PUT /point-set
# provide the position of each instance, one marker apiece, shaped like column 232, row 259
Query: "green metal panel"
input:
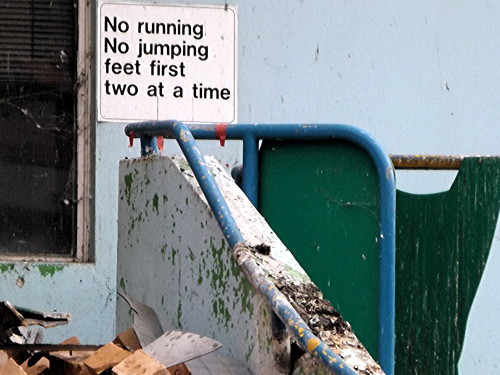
column 321, row 198
column 443, row 241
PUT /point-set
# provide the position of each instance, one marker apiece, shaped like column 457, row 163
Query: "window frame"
column 82, row 120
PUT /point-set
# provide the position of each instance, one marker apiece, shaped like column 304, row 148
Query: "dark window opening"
column 38, row 140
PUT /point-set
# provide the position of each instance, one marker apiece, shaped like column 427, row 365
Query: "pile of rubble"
column 142, row 349
column 123, row 356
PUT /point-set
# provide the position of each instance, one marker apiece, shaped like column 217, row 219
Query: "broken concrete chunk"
column 175, row 347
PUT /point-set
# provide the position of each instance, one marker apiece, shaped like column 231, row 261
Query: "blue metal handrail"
column 251, row 134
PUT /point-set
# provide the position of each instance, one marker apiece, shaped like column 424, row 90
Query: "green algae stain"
column 122, row 283
column 221, row 312
column 218, row 281
column 218, row 277
column 49, row 269
column 155, row 203
column 174, row 253
column 250, row 351
column 179, row 315
column 246, row 292
column 214, row 307
column 191, row 254
column 163, row 251
column 6, row 267
column 128, row 187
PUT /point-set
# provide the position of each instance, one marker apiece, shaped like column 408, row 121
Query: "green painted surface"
column 321, row 198
column 322, row 202
column 443, row 241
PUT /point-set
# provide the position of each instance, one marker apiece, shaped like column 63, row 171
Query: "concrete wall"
column 172, row 256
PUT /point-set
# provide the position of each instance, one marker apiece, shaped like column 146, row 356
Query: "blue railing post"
column 251, row 168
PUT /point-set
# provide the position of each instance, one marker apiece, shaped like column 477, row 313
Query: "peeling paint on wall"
column 6, row 267
column 49, row 269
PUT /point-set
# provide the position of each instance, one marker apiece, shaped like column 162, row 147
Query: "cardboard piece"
column 106, row 357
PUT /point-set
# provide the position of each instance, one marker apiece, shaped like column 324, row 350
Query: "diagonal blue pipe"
column 250, row 134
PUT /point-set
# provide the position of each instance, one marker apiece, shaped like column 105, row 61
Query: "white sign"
column 159, row 62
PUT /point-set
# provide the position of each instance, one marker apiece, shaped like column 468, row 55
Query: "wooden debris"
column 106, row 357
column 36, row 369
column 128, row 340
column 4, row 356
column 122, row 356
column 70, row 363
column 10, row 367
column 142, row 349
column 140, row 363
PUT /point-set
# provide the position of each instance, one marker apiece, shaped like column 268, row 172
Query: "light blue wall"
column 384, row 67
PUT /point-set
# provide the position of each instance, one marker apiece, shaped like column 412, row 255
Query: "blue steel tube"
column 278, row 302
column 251, row 133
